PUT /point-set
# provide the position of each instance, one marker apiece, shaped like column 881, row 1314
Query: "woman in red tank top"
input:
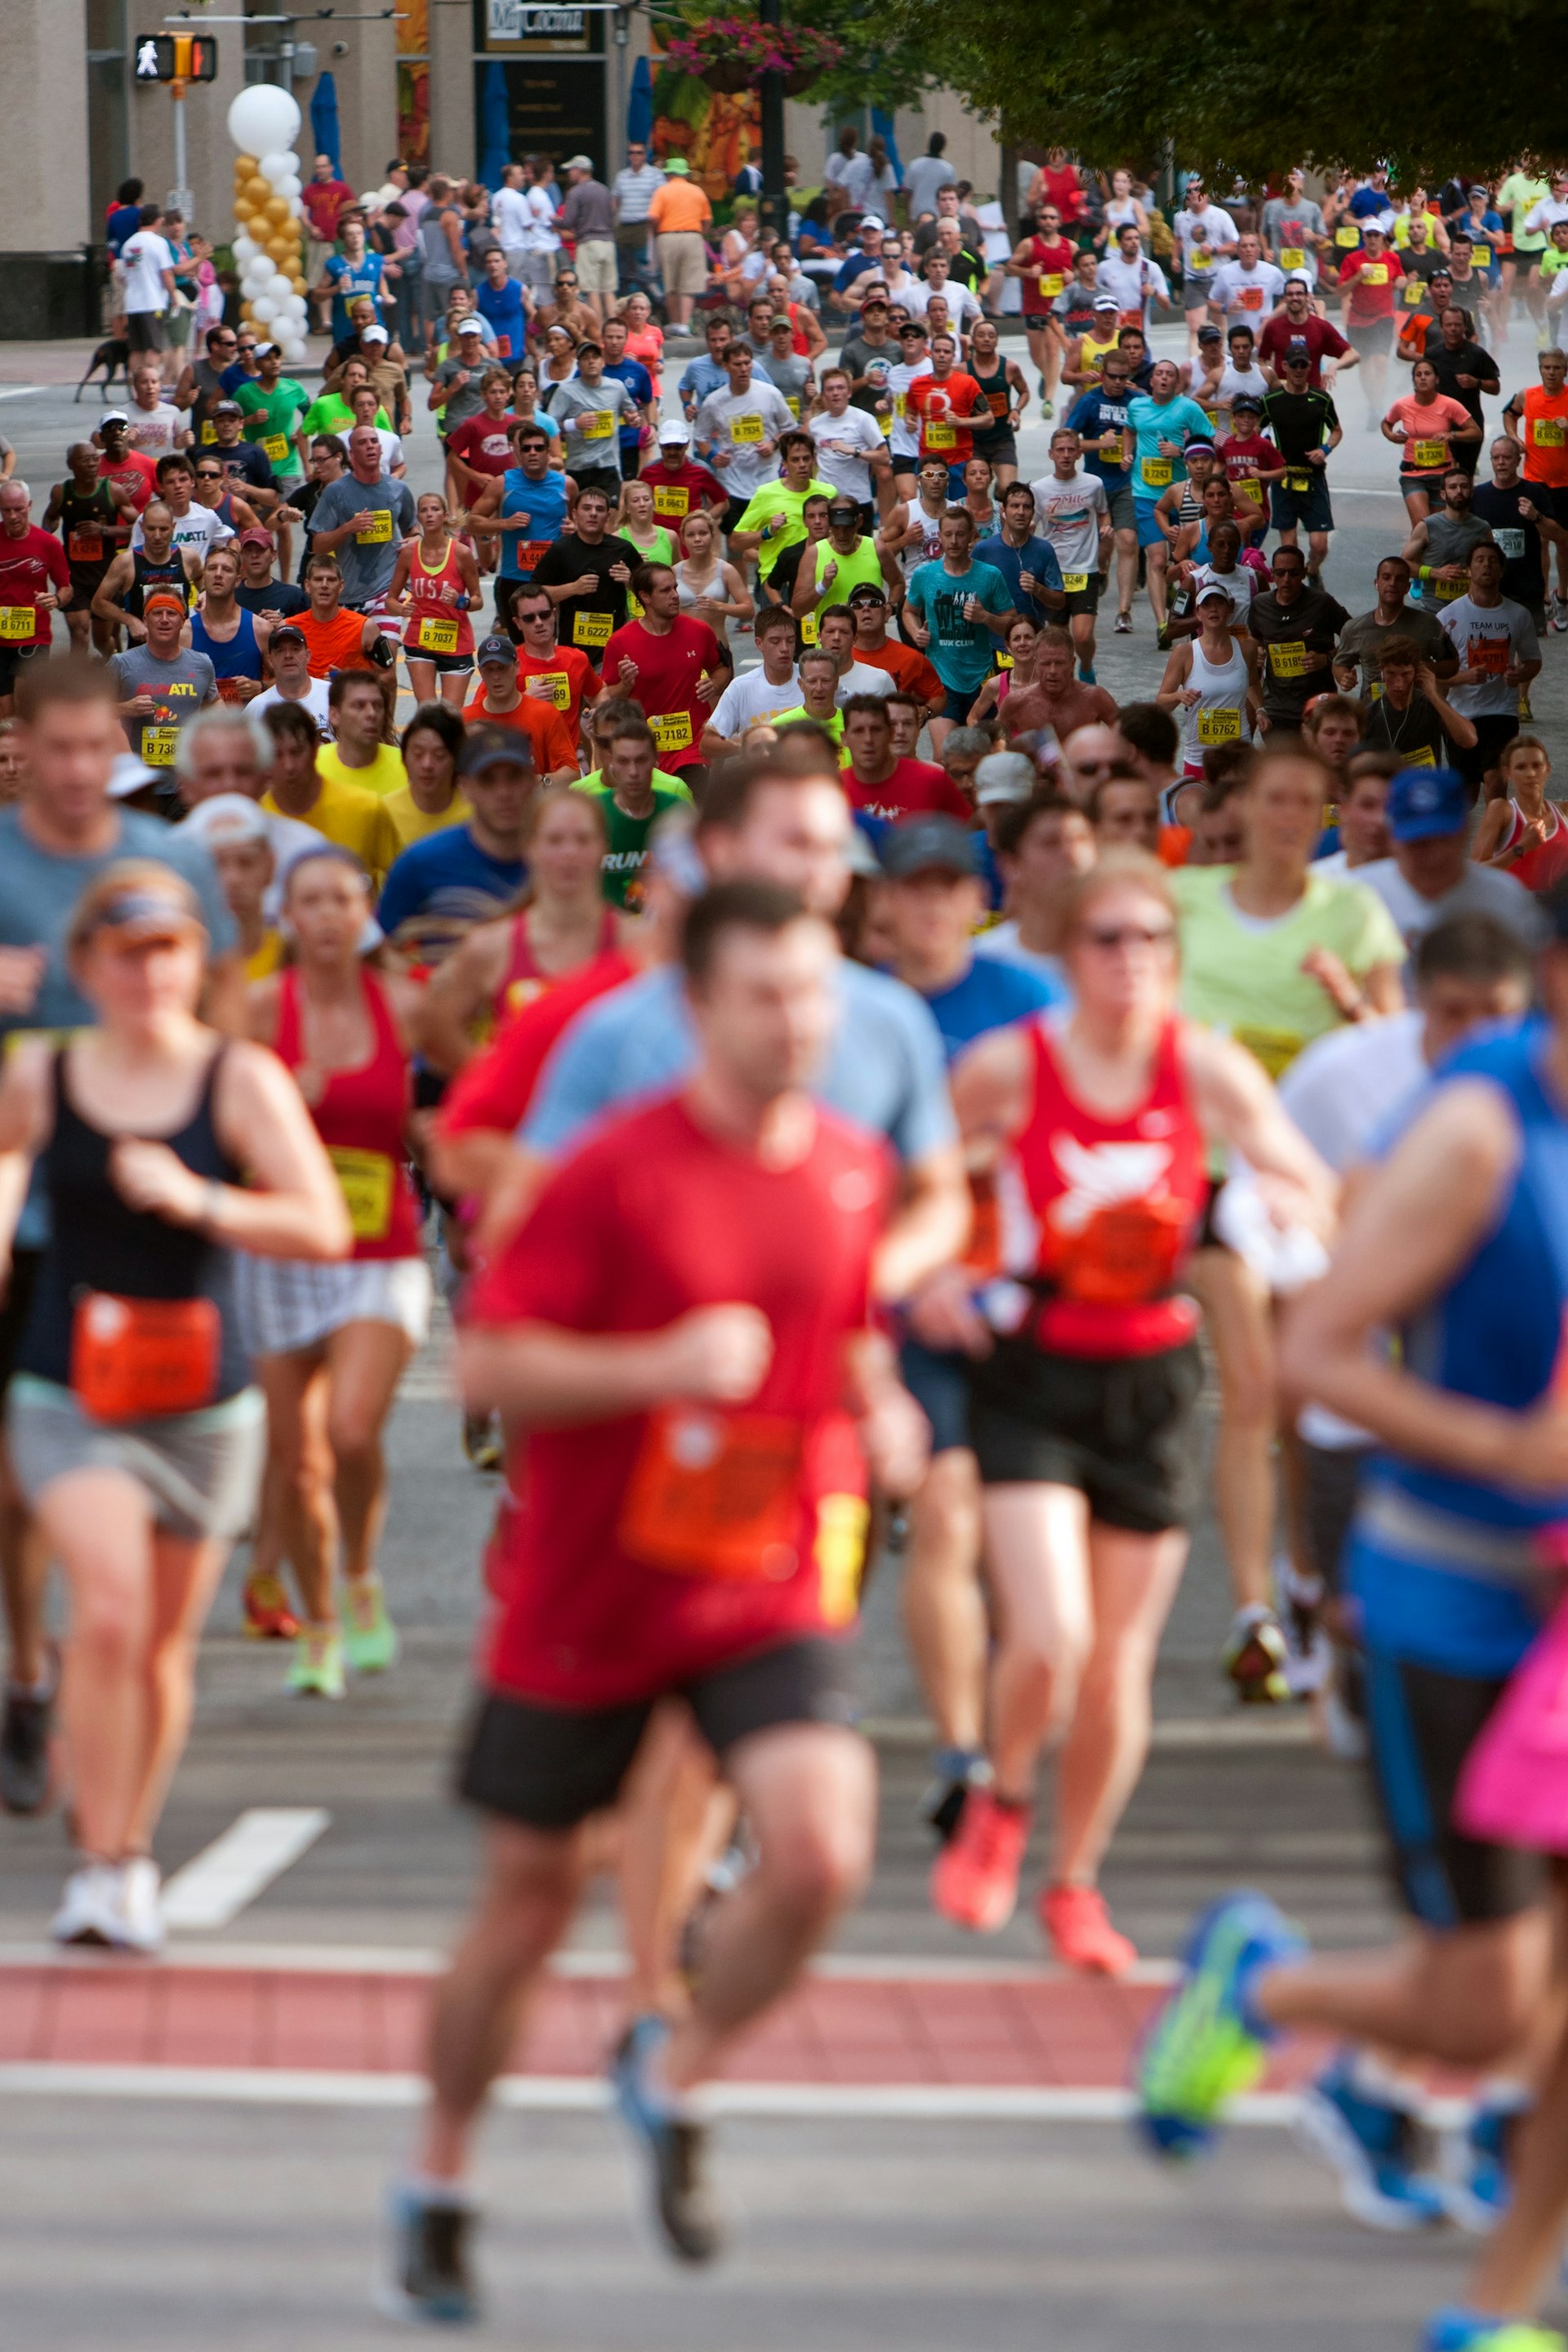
column 1083, row 1386
column 562, row 924
column 436, row 582
column 329, row 1353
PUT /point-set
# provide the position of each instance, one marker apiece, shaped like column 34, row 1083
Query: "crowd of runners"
column 681, row 887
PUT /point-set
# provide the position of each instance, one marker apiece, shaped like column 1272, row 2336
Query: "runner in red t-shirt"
column 672, row 664
column 501, row 699
column 941, row 401
column 1296, row 322
column 677, row 485
column 481, row 446
column 34, row 579
column 881, row 783
column 681, row 1328
column 128, row 467
column 1367, row 280
column 560, row 675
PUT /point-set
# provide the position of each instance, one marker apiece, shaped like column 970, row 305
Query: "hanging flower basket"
column 734, row 53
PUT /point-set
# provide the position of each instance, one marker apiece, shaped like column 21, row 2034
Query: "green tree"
column 1249, row 93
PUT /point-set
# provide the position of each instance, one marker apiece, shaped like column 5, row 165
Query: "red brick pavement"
column 1024, row 2031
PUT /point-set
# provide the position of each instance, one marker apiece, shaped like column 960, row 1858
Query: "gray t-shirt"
column 468, row 402
column 1361, row 642
column 590, row 421
column 369, row 559
column 588, row 211
column 39, row 893
column 179, row 687
column 1480, row 890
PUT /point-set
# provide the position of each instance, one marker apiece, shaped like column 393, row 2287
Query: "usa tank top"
column 99, row 1242
column 438, row 625
column 1096, row 1215
column 360, row 1117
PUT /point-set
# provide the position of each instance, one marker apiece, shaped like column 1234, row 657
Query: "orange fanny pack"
column 716, row 1494
column 143, row 1359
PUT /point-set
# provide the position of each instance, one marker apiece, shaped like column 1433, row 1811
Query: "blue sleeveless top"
column 240, row 657
column 1446, row 1567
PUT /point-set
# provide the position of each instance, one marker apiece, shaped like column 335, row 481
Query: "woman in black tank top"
column 136, row 1434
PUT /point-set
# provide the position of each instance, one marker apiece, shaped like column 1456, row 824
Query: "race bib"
column 143, row 1359
column 1375, row 273
column 438, row 632
column 1300, row 484
column 1429, row 454
column 1249, row 298
column 375, row 531
column 1075, row 582
column 792, row 402
column 158, row 745
column 1448, row 589
column 1274, row 1048
column 1124, row 1254
column 672, row 732
column 1425, row 758
column 1410, row 293
column 1218, row 726
column 747, row 429
column 1288, row 659
column 1549, row 432
column 550, row 686
column 942, row 436
column 839, row 1552
column 365, row 1180
column 532, row 552
column 84, row 547
column 503, row 347
column 1051, row 287
column 1253, row 491
column 593, row 628
column 209, row 432
column 1510, row 540
column 1157, row 472
column 715, row 1495
column 672, row 502
column 19, row 624
column 597, row 424
column 1292, row 256
column 275, row 446
column 887, row 425
column 1481, row 256
column 997, row 402
column 1346, row 235
column 808, row 631
column 1488, row 654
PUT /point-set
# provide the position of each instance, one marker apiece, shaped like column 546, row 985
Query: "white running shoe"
column 89, row 1907
column 141, row 1912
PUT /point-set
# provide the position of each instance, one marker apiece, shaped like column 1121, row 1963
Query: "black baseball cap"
column 923, row 843
column 494, row 747
column 288, row 635
column 496, row 648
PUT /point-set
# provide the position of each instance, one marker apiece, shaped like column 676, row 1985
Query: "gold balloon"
column 278, row 248
column 257, row 189
column 244, row 210
column 277, row 209
column 297, row 284
column 247, row 167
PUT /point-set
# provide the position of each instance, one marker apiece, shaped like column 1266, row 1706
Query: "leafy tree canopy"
column 1239, row 92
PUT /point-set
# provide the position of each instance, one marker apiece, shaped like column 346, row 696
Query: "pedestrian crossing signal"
column 177, row 57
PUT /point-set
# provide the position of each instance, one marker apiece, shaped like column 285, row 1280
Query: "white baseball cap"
column 675, row 428
column 373, row 334
column 872, row 220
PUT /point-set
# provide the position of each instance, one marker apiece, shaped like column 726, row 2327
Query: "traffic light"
column 177, row 57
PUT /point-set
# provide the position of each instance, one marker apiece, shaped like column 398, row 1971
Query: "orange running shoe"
column 1077, row 1922
column 268, row 1616
column 974, row 1878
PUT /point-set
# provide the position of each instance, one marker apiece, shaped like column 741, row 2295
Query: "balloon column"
column 262, row 122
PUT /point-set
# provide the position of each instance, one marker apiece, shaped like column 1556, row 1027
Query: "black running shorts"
column 1121, row 1431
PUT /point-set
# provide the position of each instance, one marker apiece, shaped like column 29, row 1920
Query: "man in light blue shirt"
column 884, row 1070
column 1160, row 424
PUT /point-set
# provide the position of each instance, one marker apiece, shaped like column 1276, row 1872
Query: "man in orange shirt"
column 335, row 636
column 680, row 213
column 1538, row 420
column 561, row 675
column 943, row 402
column 905, row 664
column 500, row 701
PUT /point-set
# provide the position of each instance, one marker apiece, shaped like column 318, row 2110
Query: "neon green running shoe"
column 318, row 1668
column 1468, row 2331
column 1204, row 2045
column 370, row 1637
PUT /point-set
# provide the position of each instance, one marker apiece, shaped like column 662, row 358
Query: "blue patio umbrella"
column 882, row 125
column 639, row 105
column 495, row 126
column 324, row 128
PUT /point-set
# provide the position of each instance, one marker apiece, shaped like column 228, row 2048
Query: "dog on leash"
column 112, row 353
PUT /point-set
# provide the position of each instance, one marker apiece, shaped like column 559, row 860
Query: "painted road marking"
column 216, row 1886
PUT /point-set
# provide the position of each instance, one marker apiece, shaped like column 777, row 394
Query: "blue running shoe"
column 1469, row 2331
column 1205, row 2044
column 428, row 2275
column 673, row 2144
column 1375, row 2144
column 1477, row 2162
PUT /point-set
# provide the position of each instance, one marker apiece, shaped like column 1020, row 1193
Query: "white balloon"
column 292, row 187
column 295, row 208
column 295, row 350
column 264, row 310
column 263, row 120
column 277, row 167
column 245, row 250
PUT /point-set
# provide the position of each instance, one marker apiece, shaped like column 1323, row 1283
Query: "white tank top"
column 1219, row 715
column 690, row 595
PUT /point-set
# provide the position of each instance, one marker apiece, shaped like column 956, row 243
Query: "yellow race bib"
column 1549, row 433
column 747, row 429
column 555, row 679
column 19, row 624
column 597, row 424
column 1346, row 235
column 1219, row 726
column 1157, row 472
column 438, row 632
column 275, row 448
column 672, row 732
column 1428, row 454
column 1375, row 273
column 942, row 436
column 158, row 745
column 1075, row 582
column 1292, row 256
column 375, row 531
column 672, row 502
column 366, row 1179
column 1288, row 659
column 593, row 628
column 1051, row 287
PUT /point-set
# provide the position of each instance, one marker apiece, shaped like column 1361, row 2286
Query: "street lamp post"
column 775, row 203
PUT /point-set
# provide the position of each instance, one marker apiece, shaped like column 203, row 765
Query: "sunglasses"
column 1128, row 935
column 209, row 473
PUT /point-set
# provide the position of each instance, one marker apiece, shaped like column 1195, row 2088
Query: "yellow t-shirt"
column 385, row 774
column 267, row 958
column 411, row 820
column 355, row 820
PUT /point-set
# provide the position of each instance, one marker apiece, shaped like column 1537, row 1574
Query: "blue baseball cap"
column 1424, row 802
column 925, row 845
